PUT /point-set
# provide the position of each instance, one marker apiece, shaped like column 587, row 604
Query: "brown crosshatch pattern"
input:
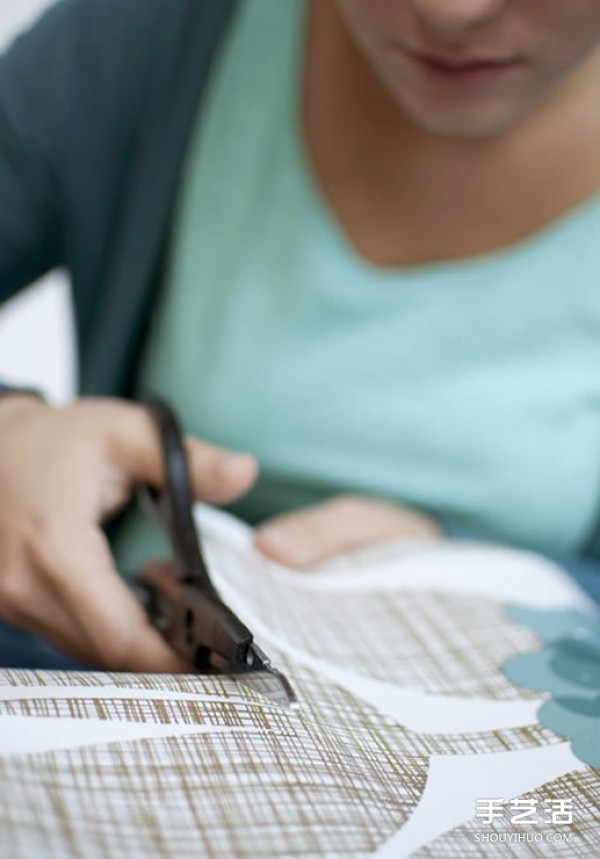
column 295, row 786
column 425, row 638
column 335, row 779
column 329, row 781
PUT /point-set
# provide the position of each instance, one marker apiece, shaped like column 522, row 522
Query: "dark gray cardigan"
column 96, row 106
column 97, row 102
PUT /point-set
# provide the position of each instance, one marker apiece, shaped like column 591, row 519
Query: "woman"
column 368, row 233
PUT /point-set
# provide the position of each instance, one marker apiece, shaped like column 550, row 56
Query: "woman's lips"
column 462, row 70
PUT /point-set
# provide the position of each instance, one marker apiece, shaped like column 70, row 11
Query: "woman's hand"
column 62, row 472
column 312, row 534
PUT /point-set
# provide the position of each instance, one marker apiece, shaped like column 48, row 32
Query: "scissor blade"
column 267, row 680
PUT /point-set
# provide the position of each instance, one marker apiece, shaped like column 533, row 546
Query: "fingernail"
column 278, row 542
column 230, row 464
column 276, row 537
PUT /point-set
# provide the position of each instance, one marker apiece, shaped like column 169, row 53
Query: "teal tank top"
column 470, row 389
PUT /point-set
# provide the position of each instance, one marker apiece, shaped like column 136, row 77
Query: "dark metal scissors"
column 179, row 596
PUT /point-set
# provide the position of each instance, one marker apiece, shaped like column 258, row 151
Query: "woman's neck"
column 404, row 196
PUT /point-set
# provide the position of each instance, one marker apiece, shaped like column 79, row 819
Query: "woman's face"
column 472, row 67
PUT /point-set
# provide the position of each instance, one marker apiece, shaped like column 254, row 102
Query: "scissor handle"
column 185, row 606
column 172, row 504
column 201, row 629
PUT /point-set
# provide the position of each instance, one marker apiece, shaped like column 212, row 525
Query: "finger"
column 314, row 533
column 35, row 609
column 112, row 630
column 59, row 630
column 218, row 475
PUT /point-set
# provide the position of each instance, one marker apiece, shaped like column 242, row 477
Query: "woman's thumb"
column 218, row 475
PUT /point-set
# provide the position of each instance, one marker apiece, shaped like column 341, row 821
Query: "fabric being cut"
column 396, row 655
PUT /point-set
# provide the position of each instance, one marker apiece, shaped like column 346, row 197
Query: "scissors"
column 179, row 596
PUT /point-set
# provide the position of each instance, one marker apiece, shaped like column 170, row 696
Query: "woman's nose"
column 457, row 15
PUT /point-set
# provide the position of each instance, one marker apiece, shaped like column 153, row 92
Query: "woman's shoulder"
column 102, row 63
column 112, row 35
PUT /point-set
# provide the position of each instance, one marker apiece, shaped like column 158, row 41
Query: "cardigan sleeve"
column 34, row 76
column 96, row 101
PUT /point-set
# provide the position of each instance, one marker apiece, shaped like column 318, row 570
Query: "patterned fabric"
column 395, row 654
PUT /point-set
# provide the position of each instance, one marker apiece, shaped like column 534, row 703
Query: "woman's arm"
column 34, row 90
column 33, row 87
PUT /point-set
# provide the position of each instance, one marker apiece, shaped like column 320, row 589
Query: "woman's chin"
column 447, row 118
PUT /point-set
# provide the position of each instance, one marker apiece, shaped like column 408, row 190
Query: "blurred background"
column 36, row 342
